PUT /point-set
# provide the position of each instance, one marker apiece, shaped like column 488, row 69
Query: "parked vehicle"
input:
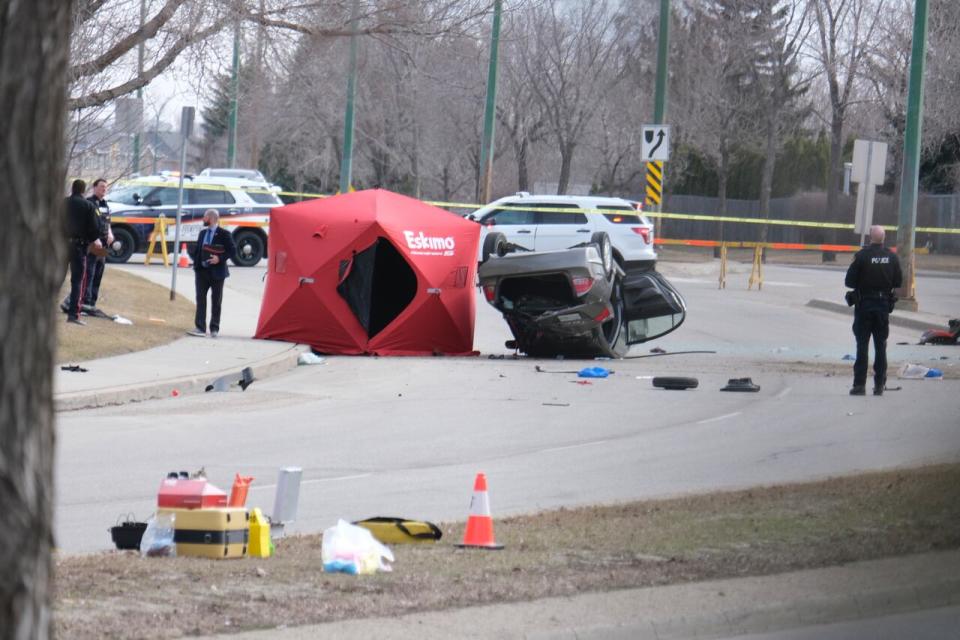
column 244, row 206
column 545, row 223
column 578, row 302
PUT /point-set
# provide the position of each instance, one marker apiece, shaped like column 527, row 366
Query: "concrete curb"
column 189, row 384
column 711, row 609
column 896, row 320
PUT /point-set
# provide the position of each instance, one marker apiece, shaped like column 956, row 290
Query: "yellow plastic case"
column 218, row 533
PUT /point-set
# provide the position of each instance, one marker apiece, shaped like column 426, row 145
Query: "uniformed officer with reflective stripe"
column 873, row 275
column 96, row 263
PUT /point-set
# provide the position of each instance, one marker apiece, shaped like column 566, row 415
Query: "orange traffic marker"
column 479, row 533
column 184, row 257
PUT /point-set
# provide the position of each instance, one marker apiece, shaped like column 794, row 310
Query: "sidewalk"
column 713, row 609
column 900, row 318
column 186, row 365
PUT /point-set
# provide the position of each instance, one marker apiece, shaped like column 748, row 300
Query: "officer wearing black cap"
column 82, row 229
column 873, row 275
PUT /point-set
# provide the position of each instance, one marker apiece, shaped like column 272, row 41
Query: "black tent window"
column 377, row 284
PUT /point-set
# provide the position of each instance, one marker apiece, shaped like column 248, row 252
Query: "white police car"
column 244, row 205
column 545, row 223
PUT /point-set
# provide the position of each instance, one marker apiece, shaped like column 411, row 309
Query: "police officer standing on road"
column 82, row 231
column 96, row 263
column 873, row 275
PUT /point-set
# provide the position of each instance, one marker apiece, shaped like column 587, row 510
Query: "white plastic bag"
column 157, row 541
column 912, row 371
column 348, row 548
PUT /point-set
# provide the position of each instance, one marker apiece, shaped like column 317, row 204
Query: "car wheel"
column 605, row 247
column 250, row 248
column 675, row 382
column 495, row 244
column 610, row 338
column 123, row 245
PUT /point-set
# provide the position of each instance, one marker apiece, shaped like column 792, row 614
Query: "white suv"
column 544, row 223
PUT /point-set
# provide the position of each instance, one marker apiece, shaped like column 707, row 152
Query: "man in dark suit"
column 210, row 254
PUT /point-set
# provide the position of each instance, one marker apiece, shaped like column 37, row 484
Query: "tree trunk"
column 566, row 162
column 834, row 178
column 34, row 46
column 523, row 176
column 766, row 178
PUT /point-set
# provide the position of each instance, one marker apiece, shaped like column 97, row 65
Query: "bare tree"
column 568, row 65
column 845, row 31
column 34, row 46
column 780, row 88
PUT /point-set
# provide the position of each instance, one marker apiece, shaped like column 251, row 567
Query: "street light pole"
column 234, row 91
column 663, row 49
column 346, row 162
column 135, row 164
column 490, row 112
column 910, row 177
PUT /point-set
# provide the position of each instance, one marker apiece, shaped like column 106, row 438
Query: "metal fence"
column 932, row 211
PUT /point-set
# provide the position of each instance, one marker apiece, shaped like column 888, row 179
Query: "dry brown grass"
column 564, row 552
column 156, row 320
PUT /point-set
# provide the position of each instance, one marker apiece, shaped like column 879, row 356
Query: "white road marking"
column 719, row 418
column 574, row 446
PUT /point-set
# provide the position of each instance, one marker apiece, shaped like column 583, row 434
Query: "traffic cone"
column 184, row 257
column 479, row 533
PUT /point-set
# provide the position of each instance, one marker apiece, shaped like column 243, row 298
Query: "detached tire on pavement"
column 675, row 383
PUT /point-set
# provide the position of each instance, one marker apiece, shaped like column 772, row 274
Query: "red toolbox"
column 189, row 493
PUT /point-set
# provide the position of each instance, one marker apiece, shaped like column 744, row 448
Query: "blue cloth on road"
column 593, row 372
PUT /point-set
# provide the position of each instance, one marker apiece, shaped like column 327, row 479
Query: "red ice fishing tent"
column 371, row 272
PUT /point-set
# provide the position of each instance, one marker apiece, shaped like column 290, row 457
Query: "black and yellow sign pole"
column 654, row 190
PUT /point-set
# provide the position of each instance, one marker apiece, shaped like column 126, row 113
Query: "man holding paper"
column 210, row 254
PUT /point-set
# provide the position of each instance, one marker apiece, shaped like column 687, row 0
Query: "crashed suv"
column 578, row 302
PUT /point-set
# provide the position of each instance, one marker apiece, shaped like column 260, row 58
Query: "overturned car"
column 577, row 302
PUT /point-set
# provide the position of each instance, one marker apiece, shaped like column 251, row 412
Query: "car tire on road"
column 250, row 248
column 123, row 246
column 495, row 244
column 675, row 382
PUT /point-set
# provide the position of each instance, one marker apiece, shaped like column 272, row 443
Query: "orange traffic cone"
column 479, row 533
column 184, row 257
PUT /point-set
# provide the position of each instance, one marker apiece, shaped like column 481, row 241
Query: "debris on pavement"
column 675, row 383
column 310, row 358
column 582, row 382
column 73, row 367
column 847, row 356
column 594, row 372
column 911, row 371
column 555, row 404
column 741, row 384
column 121, row 320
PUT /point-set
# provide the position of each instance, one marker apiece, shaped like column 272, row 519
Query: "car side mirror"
column 490, row 222
column 137, row 200
column 152, row 202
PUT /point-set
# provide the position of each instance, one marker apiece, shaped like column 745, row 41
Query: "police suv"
column 244, row 204
column 549, row 222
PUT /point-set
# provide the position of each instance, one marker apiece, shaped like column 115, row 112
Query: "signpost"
column 655, row 149
column 868, row 171
column 186, row 128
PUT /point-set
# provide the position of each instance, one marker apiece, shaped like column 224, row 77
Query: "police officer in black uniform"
column 873, row 275
column 82, row 230
column 95, row 264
